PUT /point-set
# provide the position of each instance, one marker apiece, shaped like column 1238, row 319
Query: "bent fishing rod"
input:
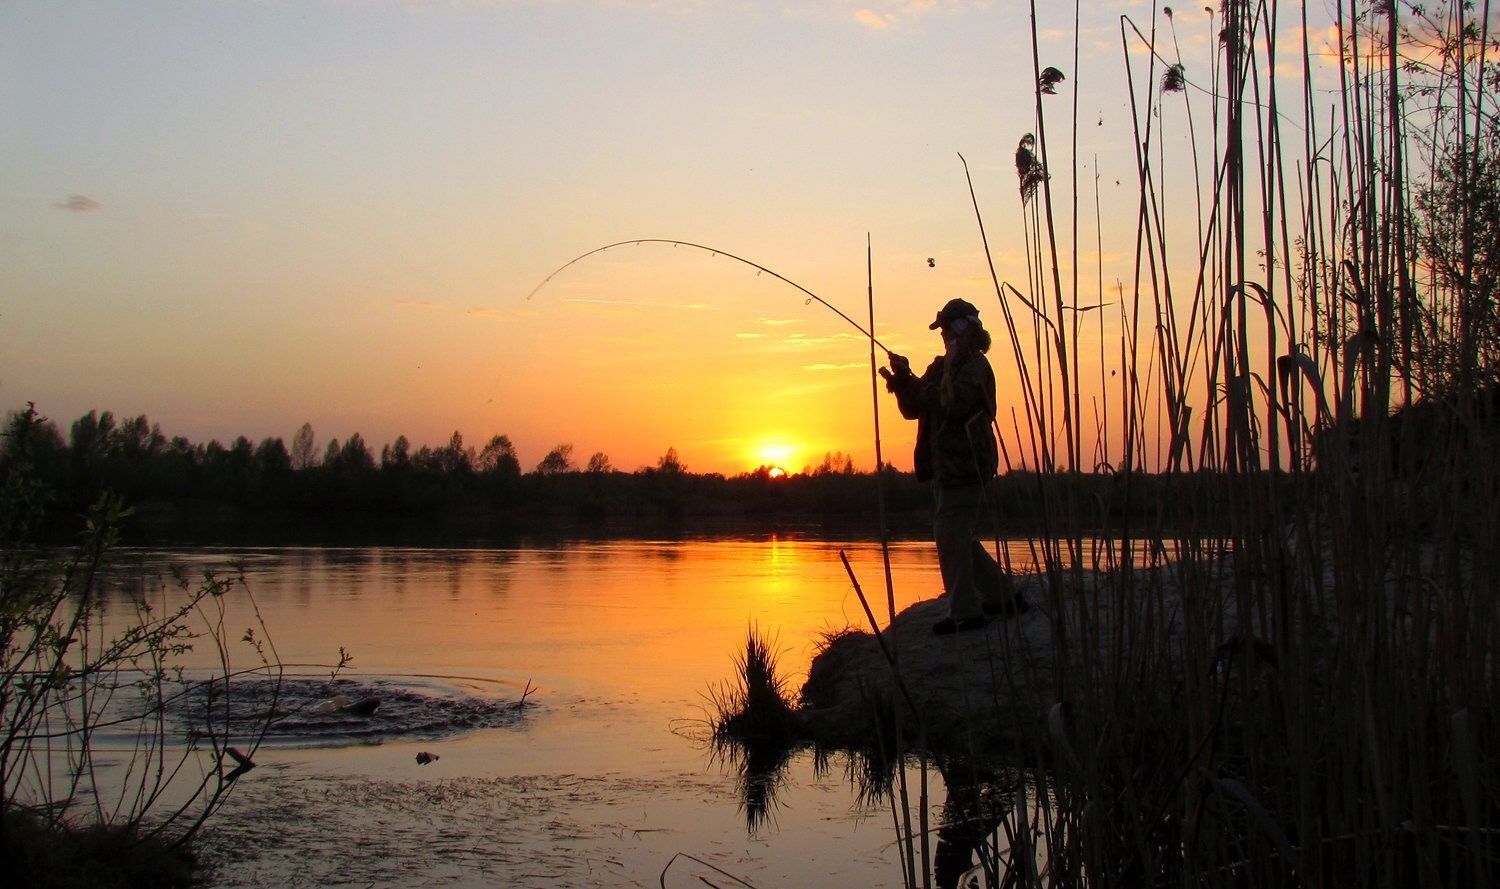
column 811, row 297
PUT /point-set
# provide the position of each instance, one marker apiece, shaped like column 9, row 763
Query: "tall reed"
column 1309, row 326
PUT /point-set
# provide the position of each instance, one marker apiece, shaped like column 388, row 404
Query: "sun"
column 773, row 456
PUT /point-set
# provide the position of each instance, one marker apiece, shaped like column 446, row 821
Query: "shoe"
column 948, row 626
column 1015, row 608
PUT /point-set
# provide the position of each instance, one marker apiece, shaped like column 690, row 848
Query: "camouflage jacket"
column 955, row 436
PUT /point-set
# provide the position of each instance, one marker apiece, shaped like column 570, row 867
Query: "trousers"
column 971, row 576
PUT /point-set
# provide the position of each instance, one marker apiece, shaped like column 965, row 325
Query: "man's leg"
column 953, row 526
column 992, row 581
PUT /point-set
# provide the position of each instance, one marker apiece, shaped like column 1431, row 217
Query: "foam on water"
column 324, row 712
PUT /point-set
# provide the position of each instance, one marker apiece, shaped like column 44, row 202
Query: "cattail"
column 1029, row 170
column 1048, row 80
column 1173, row 80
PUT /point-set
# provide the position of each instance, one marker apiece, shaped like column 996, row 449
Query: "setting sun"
column 774, row 455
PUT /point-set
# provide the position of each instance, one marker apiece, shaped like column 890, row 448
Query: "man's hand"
column 900, row 366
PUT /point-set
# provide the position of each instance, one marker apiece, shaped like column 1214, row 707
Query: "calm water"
column 601, row 782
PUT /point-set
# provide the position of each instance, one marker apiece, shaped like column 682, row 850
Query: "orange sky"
column 238, row 217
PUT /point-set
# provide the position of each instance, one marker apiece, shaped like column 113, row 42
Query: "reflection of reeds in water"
column 755, row 727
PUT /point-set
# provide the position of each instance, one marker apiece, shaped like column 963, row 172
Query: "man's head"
column 955, row 310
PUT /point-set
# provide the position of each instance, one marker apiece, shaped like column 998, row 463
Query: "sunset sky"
column 236, row 217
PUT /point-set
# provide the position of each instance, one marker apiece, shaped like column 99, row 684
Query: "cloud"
column 79, row 203
column 901, row 12
column 650, row 304
column 486, row 313
column 415, row 304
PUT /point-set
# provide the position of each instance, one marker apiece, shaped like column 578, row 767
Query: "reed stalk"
column 1294, row 697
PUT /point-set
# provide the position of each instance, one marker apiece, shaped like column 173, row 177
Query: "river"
column 602, row 779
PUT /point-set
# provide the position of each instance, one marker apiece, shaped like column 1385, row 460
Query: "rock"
column 957, row 683
column 986, row 691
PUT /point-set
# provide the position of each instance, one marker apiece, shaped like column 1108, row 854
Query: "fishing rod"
column 811, row 297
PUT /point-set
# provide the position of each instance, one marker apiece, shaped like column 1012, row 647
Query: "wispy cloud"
column 891, row 14
column 423, row 304
column 630, row 302
column 483, row 312
column 850, row 365
column 79, row 203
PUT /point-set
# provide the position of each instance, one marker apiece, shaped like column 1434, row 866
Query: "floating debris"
column 239, row 758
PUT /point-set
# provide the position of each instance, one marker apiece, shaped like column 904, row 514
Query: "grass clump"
column 39, row 855
column 755, row 727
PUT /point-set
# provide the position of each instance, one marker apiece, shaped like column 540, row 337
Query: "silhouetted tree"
column 599, row 463
column 396, row 454
column 670, row 464
column 303, row 443
column 355, row 456
column 454, row 458
column 1458, row 230
column 31, row 451
column 835, row 462
column 136, row 439
column 272, row 457
column 498, row 458
column 89, row 438
column 557, row 461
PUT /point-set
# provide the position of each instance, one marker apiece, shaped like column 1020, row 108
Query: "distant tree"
column 30, row 443
column 137, row 438
column 355, row 455
column 396, row 454
column 304, row 455
column 669, row 463
column 243, row 450
column 599, row 463
column 558, row 460
column 425, row 459
column 90, row 436
column 454, row 458
column 1458, row 232
column 498, row 458
column 835, row 462
column 272, row 457
column 331, row 453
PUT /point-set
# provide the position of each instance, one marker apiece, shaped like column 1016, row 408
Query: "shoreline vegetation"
column 182, row 493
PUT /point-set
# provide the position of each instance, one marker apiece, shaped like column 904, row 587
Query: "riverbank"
column 1201, row 717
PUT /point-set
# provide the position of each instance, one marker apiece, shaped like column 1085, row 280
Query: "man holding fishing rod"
column 953, row 403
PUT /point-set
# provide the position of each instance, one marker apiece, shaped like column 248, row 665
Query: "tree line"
column 176, row 486
column 346, row 491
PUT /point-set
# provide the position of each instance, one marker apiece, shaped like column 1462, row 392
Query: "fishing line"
column 811, row 297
